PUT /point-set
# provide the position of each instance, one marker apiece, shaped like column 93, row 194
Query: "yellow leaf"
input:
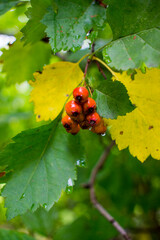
column 140, row 129
column 52, row 88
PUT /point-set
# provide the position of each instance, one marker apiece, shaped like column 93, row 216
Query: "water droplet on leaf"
column 45, row 205
column 69, row 189
column 81, row 163
column 103, row 134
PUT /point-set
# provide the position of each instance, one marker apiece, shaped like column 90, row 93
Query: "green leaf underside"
column 6, row 5
column 132, row 16
column 68, row 26
column 13, row 235
column 20, row 62
column 111, row 97
column 133, row 51
column 43, row 160
column 34, row 30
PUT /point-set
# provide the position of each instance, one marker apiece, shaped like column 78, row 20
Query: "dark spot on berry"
column 39, row 72
column 146, row 147
column 91, row 110
column 92, row 122
column 121, row 133
column 79, row 98
column 67, row 126
column 39, row 116
column 157, row 150
column 53, row 67
column 75, row 114
column 150, row 127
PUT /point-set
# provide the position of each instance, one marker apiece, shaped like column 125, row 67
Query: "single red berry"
column 100, row 129
column 74, row 130
column 80, row 94
column 73, row 109
column 89, row 106
column 2, row 174
column 93, row 119
column 68, row 123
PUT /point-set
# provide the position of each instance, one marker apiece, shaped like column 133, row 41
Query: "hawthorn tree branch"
column 88, row 61
column 93, row 198
column 86, row 67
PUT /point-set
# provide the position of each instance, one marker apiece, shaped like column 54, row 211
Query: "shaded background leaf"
column 20, row 62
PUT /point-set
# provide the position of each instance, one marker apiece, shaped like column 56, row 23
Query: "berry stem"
column 80, row 60
column 100, row 70
column 104, row 64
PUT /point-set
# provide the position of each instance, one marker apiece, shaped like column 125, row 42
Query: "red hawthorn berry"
column 100, row 129
column 93, row 119
column 80, row 94
column 89, row 106
column 73, row 109
column 68, row 123
column 74, row 130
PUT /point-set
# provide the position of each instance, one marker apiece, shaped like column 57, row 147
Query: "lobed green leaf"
column 42, row 160
column 20, row 62
column 135, row 50
column 67, row 27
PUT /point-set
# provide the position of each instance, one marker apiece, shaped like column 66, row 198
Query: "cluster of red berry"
column 81, row 114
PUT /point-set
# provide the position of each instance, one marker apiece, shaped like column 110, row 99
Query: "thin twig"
column 86, row 67
column 92, row 49
column 101, row 71
column 93, row 198
column 88, row 61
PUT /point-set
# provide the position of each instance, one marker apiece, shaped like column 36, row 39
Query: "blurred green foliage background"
column 128, row 189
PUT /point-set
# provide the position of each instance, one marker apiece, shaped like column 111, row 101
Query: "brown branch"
column 101, row 71
column 93, row 198
column 88, row 61
column 86, row 67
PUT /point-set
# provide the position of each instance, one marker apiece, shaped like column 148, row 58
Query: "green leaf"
column 5, row 5
column 111, row 97
column 2, row 211
column 34, row 29
column 134, row 51
column 132, row 16
column 11, row 21
column 13, row 235
column 41, row 221
column 67, row 27
column 20, row 62
column 87, row 228
column 43, row 160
